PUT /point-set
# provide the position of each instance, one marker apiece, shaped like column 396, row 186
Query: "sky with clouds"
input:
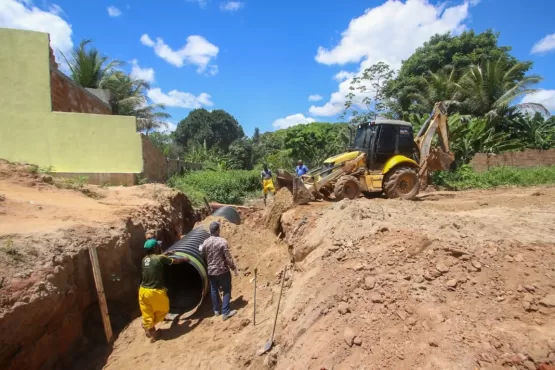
column 277, row 64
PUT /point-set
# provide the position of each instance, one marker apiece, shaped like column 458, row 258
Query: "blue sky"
column 273, row 64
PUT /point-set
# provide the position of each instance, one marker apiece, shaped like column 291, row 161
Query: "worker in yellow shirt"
column 267, row 183
column 153, row 297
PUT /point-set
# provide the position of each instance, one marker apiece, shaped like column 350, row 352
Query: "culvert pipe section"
column 187, row 283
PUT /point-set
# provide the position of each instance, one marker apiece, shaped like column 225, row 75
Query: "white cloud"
column 292, row 120
column 388, row 33
column 231, row 6
column 343, row 75
column 146, row 74
column 201, row 3
column 543, row 96
column 315, row 97
column 544, row 45
column 146, row 40
column 113, row 11
column 179, row 99
column 197, row 51
column 25, row 16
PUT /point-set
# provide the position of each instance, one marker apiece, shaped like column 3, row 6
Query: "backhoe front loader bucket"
column 301, row 195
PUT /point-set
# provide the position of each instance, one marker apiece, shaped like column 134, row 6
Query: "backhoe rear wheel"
column 347, row 187
column 401, row 182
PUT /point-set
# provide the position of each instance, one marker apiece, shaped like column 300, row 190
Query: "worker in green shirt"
column 153, row 297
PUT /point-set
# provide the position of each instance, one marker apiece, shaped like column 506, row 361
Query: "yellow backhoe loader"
column 385, row 157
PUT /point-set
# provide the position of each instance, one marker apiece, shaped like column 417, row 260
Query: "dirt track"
column 453, row 281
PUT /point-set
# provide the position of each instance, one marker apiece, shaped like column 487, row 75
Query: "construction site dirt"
column 452, row 280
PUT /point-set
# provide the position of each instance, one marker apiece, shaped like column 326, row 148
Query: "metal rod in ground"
column 101, row 296
column 270, row 343
column 254, row 299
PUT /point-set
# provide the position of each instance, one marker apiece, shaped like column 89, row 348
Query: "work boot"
column 147, row 332
column 217, row 313
column 154, row 335
column 230, row 314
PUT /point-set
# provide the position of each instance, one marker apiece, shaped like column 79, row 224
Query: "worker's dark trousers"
column 222, row 282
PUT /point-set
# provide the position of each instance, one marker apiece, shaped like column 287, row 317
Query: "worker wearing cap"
column 215, row 252
column 267, row 184
column 153, row 297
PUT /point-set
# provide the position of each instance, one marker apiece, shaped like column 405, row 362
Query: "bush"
column 465, row 178
column 230, row 187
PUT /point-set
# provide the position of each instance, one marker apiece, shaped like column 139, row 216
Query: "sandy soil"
column 451, row 281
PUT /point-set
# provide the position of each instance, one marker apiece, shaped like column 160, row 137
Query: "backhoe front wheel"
column 401, row 182
column 347, row 187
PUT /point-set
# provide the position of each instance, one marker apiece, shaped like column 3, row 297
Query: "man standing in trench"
column 153, row 297
column 218, row 258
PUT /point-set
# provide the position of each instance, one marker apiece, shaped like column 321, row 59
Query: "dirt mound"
column 282, row 202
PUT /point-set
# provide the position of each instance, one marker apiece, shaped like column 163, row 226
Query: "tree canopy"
column 217, row 129
column 441, row 51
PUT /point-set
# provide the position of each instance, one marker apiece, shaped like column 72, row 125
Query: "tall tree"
column 88, row 68
column 488, row 90
column 218, row 129
column 256, row 136
column 366, row 97
column 459, row 52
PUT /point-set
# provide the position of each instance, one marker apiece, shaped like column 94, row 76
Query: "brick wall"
column 527, row 158
column 69, row 97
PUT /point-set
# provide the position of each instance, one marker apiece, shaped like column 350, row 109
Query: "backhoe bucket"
column 301, row 195
column 440, row 160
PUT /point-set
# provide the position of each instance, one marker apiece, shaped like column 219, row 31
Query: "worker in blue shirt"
column 301, row 169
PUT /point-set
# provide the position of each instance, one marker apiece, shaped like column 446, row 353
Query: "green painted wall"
column 31, row 132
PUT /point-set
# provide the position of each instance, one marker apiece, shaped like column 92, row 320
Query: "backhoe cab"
column 385, row 157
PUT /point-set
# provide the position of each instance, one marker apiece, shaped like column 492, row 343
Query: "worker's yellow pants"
column 268, row 186
column 154, row 305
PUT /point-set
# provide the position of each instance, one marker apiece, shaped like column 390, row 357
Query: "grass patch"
column 230, row 187
column 464, row 178
column 9, row 249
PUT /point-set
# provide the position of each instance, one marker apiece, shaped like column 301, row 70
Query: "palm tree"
column 88, row 68
column 128, row 96
column 489, row 90
column 439, row 86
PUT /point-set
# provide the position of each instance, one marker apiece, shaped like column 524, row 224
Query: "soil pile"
column 282, row 202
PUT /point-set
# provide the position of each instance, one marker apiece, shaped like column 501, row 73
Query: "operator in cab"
column 301, row 169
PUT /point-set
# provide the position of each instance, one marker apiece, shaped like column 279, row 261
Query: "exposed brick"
column 68, row 97
column 527, row 158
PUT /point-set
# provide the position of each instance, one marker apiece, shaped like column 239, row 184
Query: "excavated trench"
column 56, row 323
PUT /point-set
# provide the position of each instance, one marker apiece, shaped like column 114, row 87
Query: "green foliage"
column 75, row 183
column 458, row 52
column 230, row 187
column 315, row 142
column 88, row 68
column 216, row 129
column 477, row 135
column 367, row 93
column 241, row 154
column 489, row 89
column 129, row 98
column 534, row 131
column 464, row 178
column 165, row 142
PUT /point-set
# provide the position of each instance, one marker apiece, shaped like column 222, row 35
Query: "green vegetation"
column 230, row 187
column 480, row 82
column 465, row 178
column 88, row 68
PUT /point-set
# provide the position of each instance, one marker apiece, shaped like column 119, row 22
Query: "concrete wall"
column 527, row 158
column 155, row 165
column 69, row 142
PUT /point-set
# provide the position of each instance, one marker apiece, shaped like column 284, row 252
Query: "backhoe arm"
column 434, row 159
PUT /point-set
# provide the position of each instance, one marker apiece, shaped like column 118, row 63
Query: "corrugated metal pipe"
column 187, row 283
